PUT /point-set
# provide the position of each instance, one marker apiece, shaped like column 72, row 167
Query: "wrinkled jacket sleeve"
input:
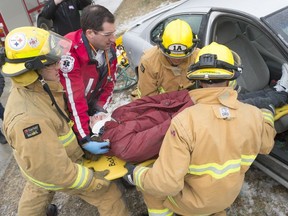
column 76, row 101
column 147, row 83
column 166, row 178
column 43, row 158
column 268, row 132
column 107, row 86
column 49, row 10
column 81, row 4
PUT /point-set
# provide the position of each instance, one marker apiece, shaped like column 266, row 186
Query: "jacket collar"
column 226, row 96
column 37, row 86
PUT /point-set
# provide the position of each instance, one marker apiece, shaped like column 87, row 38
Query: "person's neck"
column 93, row 48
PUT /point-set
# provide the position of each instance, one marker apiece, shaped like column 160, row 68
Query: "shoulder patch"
column 142, row 68
column 67, row 63
column 32, row 131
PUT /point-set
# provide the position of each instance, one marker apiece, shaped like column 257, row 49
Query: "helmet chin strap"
column 47, row 89
column 169, row 60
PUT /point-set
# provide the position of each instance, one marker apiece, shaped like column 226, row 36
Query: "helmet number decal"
column 17, row 41
column 177, row 48
column 67, row 63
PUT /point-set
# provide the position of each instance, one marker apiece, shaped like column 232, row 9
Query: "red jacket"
column 140, row 126
column 79, row 75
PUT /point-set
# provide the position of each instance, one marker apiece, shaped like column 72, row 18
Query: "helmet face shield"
column 55, row 47
column 31, row 48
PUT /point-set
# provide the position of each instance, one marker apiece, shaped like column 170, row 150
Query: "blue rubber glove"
column 97, row 147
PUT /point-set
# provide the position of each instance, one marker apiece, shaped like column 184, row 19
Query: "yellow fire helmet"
column 215, row 62
column 29, row 49
column 178, row 40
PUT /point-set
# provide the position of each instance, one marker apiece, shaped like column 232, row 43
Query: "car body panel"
column 141, row 28
column 251, row 19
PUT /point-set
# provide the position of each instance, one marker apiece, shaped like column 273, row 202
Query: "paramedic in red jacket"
column 89, row 68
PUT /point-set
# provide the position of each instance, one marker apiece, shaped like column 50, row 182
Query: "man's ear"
column 89, row 33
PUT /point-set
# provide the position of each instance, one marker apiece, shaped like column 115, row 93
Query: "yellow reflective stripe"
column 218, row 171
column 161, row 90
column 171, row 199
column 160, row 212
column 138, row 92
column 268, row 116
column 83, row 176
column 41, row 184
column 68, row 138
column 247, row 160
column 137, row 175
column 232, row 83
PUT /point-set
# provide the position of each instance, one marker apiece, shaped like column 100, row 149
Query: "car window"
column 193, row 20
column 278, row 23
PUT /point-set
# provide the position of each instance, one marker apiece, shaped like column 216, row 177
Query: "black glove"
column 129, row 176
column 89, row 156
column 101, row 174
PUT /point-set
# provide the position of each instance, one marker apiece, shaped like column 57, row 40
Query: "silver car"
column 257, row 30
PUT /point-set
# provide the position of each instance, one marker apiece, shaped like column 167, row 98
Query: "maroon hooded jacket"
column 140, row 126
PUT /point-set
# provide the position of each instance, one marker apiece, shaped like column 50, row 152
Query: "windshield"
column 278, row 23
column 194, row 20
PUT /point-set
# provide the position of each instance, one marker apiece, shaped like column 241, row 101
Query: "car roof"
column 258, row 8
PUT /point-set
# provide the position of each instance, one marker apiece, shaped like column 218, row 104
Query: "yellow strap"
column 281, row 111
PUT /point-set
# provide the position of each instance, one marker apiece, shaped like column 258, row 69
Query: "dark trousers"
column 1, row 111
column 264, row 98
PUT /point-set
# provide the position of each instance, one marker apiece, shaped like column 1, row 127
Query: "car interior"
column 193, row 20
column 261, row 61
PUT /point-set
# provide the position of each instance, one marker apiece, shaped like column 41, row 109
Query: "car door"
column 262, row 57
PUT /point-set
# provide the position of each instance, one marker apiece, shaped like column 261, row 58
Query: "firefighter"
column 163, row 68
column 208, row 147
column 40, row 132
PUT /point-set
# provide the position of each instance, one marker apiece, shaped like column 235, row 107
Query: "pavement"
column 5, row 149
column 111, row 5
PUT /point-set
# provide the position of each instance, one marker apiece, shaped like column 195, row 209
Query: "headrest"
column 226, row 32
column 252, row 33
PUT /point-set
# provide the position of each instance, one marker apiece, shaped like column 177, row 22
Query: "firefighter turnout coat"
column 206, row 153
column 43, row 143
column 156, row 75
column 80, row 74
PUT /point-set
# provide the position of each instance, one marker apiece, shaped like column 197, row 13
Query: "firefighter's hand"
column 99, row 182
column 97, row 147
column 101, row 174
column 129, row 176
